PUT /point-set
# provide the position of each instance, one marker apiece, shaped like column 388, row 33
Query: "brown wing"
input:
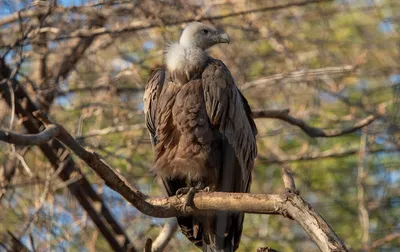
column 150, row 98
column 229, row 111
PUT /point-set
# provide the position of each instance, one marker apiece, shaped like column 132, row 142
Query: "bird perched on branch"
column 202, row 132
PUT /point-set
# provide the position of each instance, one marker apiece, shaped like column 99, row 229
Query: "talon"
column 206, row 189
column 182, row 191
column 191, row 191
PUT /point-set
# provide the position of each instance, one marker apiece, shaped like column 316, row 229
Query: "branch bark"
column 30, row 139
column 58, row 156
column 288, row 204
column 309, row 130
column 324, row 154
column 165, row 235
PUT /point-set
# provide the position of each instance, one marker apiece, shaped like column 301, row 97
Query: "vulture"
column 202, row 132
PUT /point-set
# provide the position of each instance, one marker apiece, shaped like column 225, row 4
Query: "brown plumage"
column 202, row 131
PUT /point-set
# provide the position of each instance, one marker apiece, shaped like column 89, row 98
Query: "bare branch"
column 363, row 214
column 165, row 235
column 109, row 130
column 302, row 75
column 30, row 139
column 58, row 155
column 324, row 154
column 104, row 88
column 84, row 9
column 133, row 28
column 288, row 204
column 384, row 240
column 309, row 130
column 286, row 173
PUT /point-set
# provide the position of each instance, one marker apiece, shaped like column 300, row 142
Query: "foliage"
column 104, row 89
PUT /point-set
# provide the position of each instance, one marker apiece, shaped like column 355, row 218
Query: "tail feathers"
column 211, row 233
column 190, row 228
column 219, row 234
column 213, row 243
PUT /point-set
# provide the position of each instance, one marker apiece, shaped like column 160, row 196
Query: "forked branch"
column 287, row 204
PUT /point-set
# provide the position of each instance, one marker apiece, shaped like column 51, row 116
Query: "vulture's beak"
column 223, row 38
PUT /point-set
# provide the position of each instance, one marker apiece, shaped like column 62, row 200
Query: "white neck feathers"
column 184, row 58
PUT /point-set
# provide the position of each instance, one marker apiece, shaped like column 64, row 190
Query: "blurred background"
column 86, row 63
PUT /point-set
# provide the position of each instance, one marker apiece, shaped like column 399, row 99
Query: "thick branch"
column 309, row 130
column 30, row 139
column 289, row 205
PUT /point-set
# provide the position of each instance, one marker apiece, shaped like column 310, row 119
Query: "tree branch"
column 302, row 75
column 165, row 235
column 309, row 130
column 133, row 28
column 383, row 240
column 323, row 154
column 88, row 9
column 109, row 130
column 30, row 139
column 287, row 204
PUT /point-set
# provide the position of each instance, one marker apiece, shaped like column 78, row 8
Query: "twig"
column 286, row 173
column 309, row 130
column 84, row 9
column 22, row 160
column 109, row 130
column 384, row 240
column 302, row 75
column 82, row 190
column 363, row 214
column 134, row 28
column 324, row 154
column 98, row 88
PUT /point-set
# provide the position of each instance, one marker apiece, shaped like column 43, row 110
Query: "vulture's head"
column 203, row 36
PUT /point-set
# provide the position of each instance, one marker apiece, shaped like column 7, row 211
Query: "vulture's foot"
column 191, row 191
column 182, row 191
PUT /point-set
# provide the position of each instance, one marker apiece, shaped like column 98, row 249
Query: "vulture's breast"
column 187, row 144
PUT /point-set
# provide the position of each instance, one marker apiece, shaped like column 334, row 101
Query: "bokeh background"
column 86, row 63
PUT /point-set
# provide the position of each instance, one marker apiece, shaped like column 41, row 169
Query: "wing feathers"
column 150, row 99
column 229, row 111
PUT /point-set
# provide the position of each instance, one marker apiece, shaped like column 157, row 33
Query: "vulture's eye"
column 204, row 31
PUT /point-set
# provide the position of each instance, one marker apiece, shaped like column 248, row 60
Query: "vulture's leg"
column 191, row 191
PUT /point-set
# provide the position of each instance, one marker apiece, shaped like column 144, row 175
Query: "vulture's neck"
column 185, row 61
